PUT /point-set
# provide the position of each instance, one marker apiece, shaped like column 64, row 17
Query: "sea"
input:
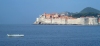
column 50, row 35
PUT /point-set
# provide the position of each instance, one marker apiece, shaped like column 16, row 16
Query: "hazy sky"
column 26, row 11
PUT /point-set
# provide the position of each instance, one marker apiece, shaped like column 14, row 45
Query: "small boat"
column 15, row 35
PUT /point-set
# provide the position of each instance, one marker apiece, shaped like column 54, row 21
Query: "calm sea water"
column 50, row 35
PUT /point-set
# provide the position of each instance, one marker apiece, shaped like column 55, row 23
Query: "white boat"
column 15, row 35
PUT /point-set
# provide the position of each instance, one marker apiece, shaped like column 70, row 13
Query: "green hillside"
column 88, row 11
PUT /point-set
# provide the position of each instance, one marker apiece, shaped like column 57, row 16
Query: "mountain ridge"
column 89, row 10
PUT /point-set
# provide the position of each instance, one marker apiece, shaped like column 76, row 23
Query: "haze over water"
column 14, row 14
column 50, row 35
column 26, row 11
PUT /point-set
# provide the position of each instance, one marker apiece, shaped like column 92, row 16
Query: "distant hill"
column 89, row 10
column 66, row 13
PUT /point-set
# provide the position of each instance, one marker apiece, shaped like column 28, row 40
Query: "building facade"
column 64, row 19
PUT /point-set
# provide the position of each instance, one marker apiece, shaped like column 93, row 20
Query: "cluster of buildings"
column 65, row 19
